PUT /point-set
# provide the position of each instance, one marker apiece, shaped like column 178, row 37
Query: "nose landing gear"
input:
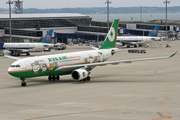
column 23, row 82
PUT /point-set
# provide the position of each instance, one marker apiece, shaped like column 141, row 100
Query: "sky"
column 43, row 4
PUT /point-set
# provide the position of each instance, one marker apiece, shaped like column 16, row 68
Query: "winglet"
column 5, row 54
column 173, row 54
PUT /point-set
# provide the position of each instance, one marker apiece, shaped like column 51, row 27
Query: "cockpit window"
column 15, row 66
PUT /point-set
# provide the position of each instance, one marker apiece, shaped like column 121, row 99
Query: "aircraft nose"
column 10, row 71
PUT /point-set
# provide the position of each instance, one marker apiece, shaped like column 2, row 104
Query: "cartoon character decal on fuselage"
column 35, row 67
column 100, row 55
column 44, row 67
column 95, row 59
column 51, row 67
column 91, row 59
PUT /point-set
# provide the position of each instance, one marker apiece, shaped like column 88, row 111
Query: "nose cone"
column 13, row 72
column 10, row 71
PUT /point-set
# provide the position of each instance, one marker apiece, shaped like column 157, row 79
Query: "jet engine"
column 119, row 44
column 79, row 74
column 7, row 51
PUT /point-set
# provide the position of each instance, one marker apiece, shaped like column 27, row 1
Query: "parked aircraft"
column 78, row 64
column 138, row 40
column 20, row 48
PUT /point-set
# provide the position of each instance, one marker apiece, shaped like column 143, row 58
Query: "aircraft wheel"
column 84, row 79
column 88, row 78
column 57, row 78
column 11, row 54
column 27, row 54
column 54, row 78
column 49, row 78
column 18, row 54
column 128, row 46
column 23, row 84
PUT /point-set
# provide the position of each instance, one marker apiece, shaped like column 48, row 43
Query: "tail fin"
column 47, row 38
column 154, row 33
column 110, row 41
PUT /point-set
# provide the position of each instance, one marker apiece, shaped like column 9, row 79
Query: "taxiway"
column 144, row 90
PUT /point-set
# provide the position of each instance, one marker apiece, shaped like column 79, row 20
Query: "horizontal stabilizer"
column 95, row 48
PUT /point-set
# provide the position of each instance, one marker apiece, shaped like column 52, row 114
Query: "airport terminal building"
column 68, row 26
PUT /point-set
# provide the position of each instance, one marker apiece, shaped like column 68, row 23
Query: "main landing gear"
column 27, row 54
column 23, row 82
column 16, row 54
column 53, row 78
column 86, row 79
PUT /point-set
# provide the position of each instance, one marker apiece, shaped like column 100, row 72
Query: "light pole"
column 141, row 12
column 10, row 2
column 166, row 2
column 108, row 2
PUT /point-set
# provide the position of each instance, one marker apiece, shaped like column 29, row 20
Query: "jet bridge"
column 1, row 45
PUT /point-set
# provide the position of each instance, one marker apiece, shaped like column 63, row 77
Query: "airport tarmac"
column 144, row 90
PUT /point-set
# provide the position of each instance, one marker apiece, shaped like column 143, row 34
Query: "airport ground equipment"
column 136, row 51
column 168, row 46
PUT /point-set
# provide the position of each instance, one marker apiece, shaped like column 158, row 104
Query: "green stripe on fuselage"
column 29, row 74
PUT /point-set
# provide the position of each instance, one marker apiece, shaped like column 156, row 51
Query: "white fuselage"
column 136, row 40
column 35, row 64
column 27, row 47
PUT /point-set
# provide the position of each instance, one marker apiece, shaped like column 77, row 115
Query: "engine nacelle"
column 119, row 44
column 79, row 74
column 7, row 51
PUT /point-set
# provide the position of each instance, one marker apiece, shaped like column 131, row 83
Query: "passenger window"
column 14, row 65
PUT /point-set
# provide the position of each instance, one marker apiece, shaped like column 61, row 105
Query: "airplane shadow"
column 95, row 79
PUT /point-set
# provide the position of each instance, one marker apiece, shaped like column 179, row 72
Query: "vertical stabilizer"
column 110, row 40
column 154, row 33
column 47, row 38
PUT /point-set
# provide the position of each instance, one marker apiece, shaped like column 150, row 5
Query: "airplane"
column 19, row 48
column 78, row 64
column 138, row 40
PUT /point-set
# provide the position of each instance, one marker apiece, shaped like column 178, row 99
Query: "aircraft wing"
column 92, row 65
column 11, row 57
